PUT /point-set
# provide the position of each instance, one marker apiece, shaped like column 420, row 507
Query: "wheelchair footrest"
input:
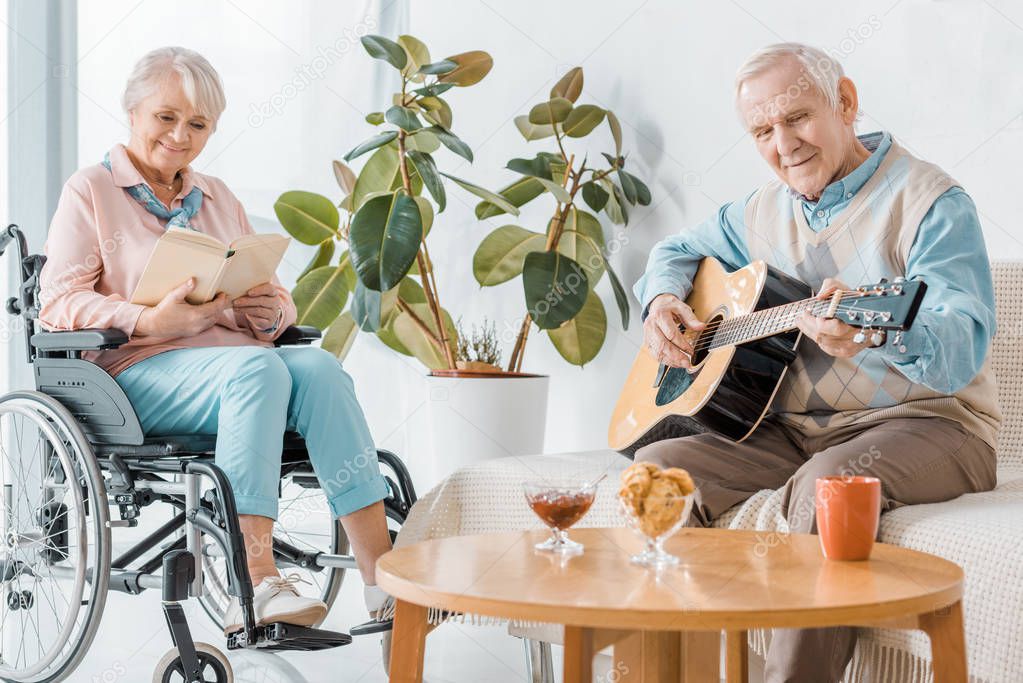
column 278, row 637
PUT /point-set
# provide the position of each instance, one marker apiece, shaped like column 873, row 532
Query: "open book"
column 233, row 268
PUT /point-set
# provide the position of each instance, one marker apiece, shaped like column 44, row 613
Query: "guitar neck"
column 770, row 321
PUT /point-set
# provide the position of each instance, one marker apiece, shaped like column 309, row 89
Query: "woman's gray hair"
column 199, row 80
column 822, row 70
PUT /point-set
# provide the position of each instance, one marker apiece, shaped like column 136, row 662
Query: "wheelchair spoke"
column 304, row 523
column 48, row 544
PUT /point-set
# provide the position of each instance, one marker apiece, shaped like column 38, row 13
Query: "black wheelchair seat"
column 180, row 445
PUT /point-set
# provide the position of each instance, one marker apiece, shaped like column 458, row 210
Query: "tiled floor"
column 132, row 638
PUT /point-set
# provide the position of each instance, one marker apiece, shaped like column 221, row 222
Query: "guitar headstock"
column 884, row 305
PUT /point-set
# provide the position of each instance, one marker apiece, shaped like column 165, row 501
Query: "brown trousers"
column 918, row 460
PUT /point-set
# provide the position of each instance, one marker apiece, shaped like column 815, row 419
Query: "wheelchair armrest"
column 297, row 334
column 79, row 340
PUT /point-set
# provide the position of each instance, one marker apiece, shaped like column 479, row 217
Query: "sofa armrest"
column 79, row 340
column 298, row 335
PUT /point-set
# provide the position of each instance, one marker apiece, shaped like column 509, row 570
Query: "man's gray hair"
column 199, row 80
column 822, row 70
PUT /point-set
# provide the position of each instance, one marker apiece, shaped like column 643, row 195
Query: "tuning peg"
column 897, row 340
column 877, row 338
column 899, row 280
column 859, row 337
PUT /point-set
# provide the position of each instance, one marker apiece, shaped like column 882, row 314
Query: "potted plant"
column 561, row 265
column 382, row 222
column 559, row 268
column 383, row 280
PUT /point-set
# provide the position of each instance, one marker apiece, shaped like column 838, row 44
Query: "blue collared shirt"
column 950, row 337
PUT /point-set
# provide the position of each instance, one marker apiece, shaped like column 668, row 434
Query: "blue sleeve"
column 947, row 344
column 674, row 260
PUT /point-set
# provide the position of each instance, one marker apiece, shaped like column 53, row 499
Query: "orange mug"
column 848, row 515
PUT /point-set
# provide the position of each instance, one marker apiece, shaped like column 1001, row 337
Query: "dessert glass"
column 659, row 518
column 559, row 504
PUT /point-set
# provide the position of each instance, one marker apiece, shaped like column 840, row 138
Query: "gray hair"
column 199, row 80
column 823, row 71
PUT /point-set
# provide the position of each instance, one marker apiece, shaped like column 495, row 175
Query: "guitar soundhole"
column 677, row 380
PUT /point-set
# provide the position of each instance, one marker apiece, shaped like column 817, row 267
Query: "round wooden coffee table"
column 668, row 627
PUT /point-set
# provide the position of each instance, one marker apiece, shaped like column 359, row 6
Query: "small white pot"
column 476, row 418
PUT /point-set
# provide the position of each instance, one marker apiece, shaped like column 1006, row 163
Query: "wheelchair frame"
column 135, row 471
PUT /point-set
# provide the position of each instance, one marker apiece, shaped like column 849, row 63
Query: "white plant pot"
column 478, row 418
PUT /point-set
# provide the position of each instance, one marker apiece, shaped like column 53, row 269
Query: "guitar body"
column 730, row 388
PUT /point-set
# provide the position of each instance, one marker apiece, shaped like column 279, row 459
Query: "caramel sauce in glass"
column 560, row 510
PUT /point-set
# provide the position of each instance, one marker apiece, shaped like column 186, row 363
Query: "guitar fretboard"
column 768, row 322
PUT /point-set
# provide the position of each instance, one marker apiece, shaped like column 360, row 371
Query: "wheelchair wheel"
column 305, row 522
column 214, row 666
column 55, row 545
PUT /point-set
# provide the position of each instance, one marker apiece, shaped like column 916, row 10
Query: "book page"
column 175, row 258
column 254, row 261
column 194, row 237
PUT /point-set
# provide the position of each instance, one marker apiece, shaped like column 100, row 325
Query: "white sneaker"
column 276, row 599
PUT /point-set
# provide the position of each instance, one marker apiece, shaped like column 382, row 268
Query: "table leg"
column 648, row 657
column 627, row 658
column 660, row 656
column 948, row 643
column 662, row 653
column 579, row 653
column 408, row 643
column 701, row 656
column 736, row 657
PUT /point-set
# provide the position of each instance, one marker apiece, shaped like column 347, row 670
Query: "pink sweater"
column 98, row 245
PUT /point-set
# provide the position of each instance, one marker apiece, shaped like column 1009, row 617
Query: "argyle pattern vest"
column 870, row 239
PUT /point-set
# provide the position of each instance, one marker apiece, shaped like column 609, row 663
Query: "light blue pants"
column 248, row 396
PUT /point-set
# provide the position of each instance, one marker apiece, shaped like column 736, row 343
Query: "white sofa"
column 981, row 532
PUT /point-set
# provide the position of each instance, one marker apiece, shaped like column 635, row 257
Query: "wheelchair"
column 74, row 465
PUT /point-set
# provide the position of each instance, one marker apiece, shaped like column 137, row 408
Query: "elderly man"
column 922, row 416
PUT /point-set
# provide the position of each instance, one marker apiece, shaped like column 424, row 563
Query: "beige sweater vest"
column 870, row 239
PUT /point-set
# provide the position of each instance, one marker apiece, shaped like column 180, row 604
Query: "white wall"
column 941, row 75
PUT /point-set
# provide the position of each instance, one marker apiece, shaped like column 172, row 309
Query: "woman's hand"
column 661, row 332
column 833, row 336
column 260, row 305
column 175, row 317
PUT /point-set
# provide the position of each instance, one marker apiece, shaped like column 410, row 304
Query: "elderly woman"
column 209, row 368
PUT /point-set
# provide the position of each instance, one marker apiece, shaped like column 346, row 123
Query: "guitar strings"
column 787, row 317
column 748, row 318
column 748, row 332
column 739, row 336
column 745, row 328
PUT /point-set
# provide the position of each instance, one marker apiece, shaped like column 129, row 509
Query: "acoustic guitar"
column 741, row 356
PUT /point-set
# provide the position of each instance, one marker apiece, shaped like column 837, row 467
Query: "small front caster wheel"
column 213, row 666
